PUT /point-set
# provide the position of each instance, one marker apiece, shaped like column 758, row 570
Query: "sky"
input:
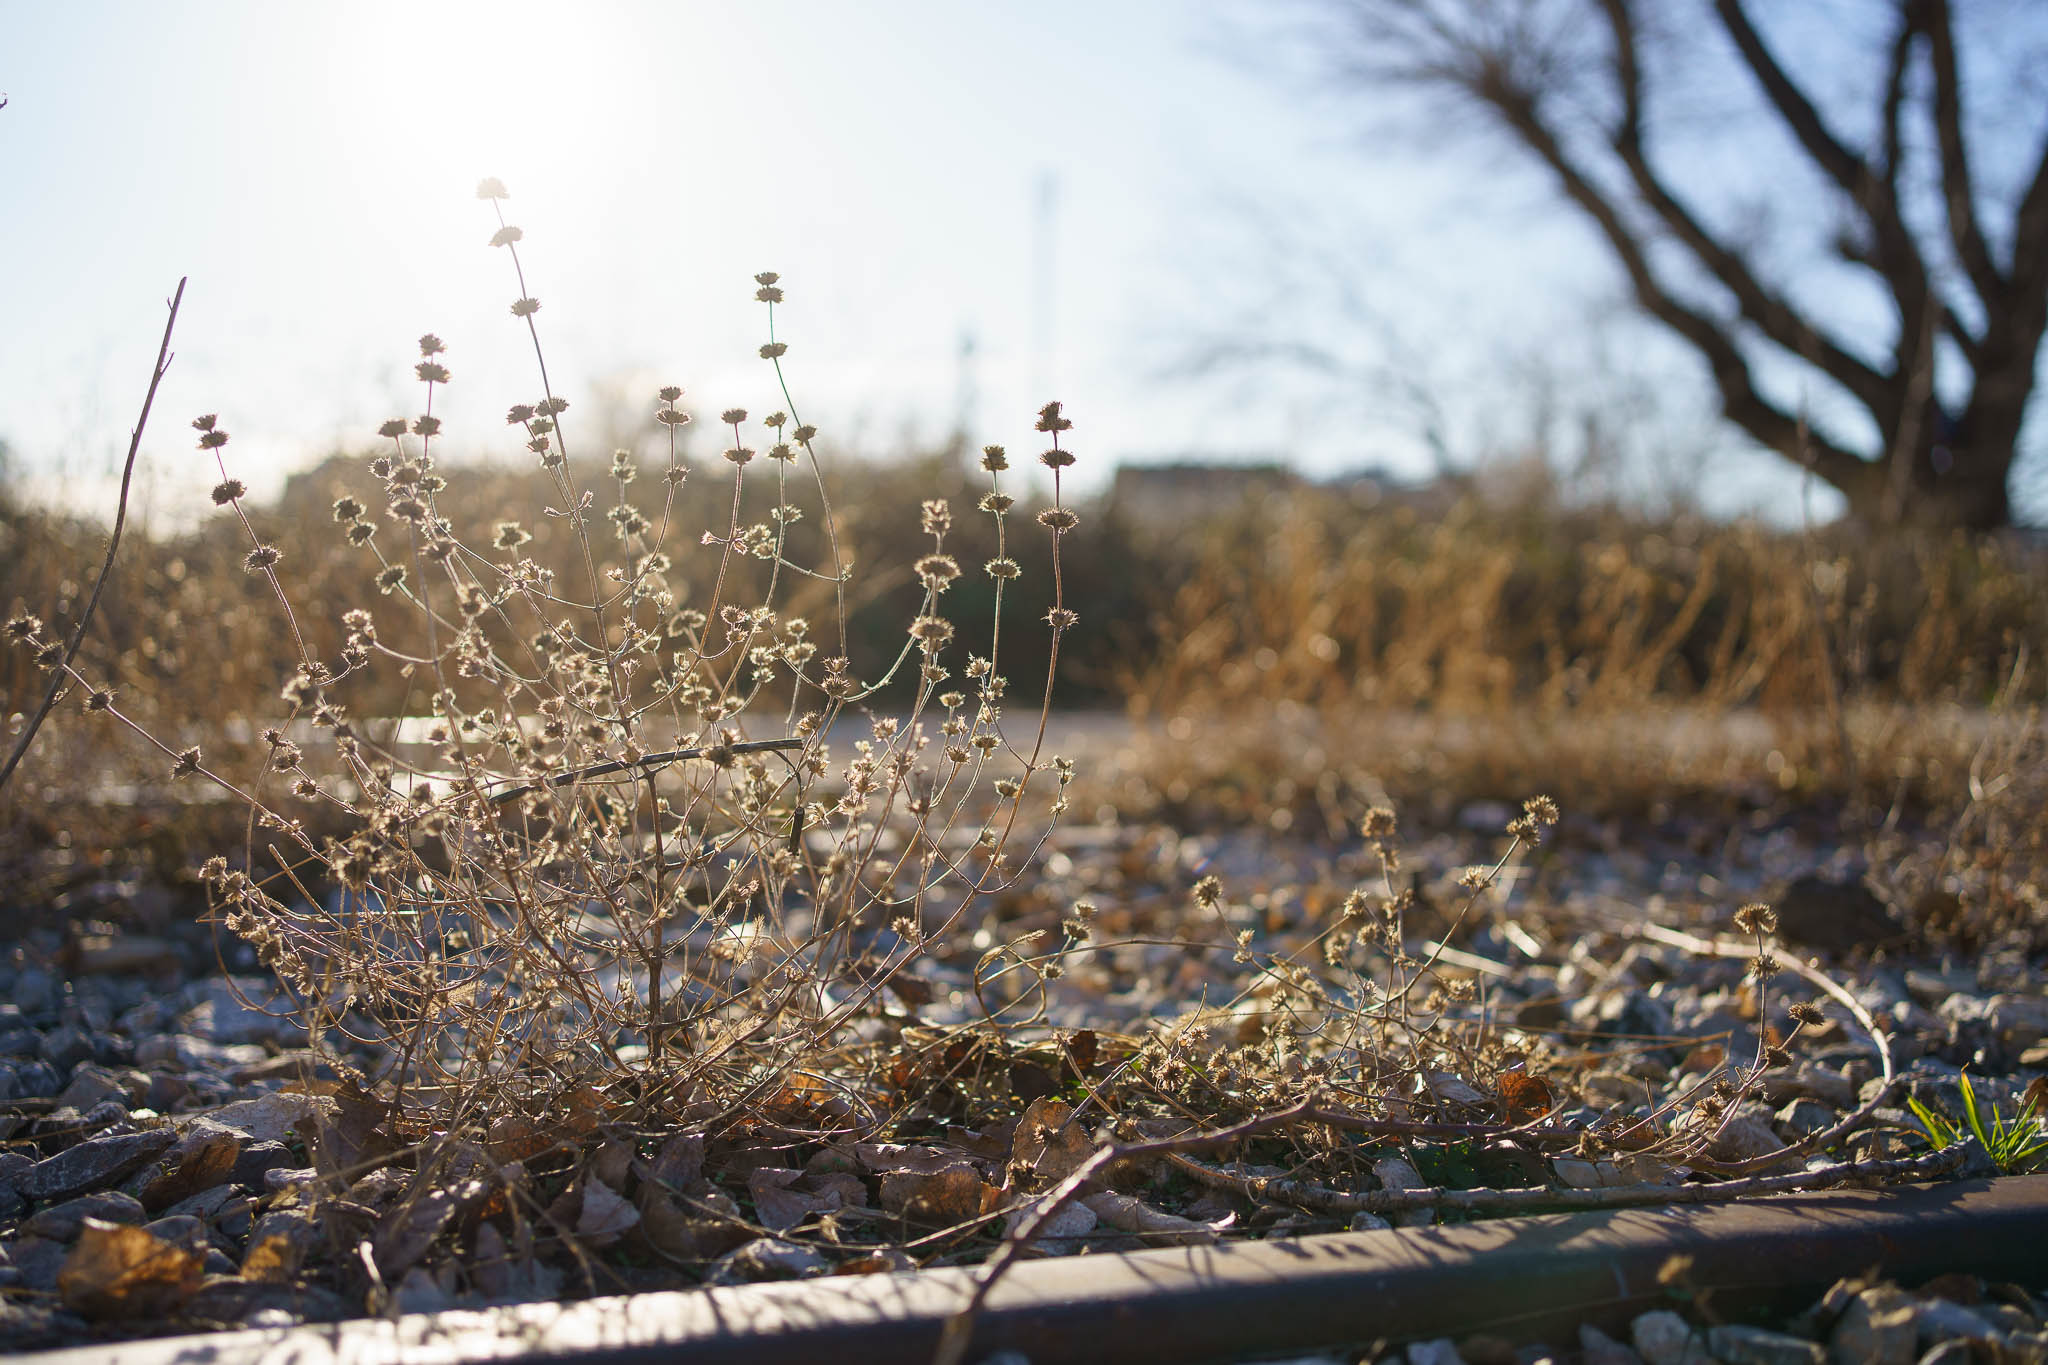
column 974, row 207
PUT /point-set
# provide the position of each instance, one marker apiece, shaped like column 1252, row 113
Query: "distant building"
column 1178, row 495
column 1175, row 496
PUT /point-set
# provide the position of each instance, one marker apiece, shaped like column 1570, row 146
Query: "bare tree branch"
column 1960, row 195
column 1742, row 402
column 1577, row 84
column 1776, row 319
column 1842, row 165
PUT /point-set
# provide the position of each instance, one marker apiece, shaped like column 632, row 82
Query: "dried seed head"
column 227, row 490
column 774, row 350
column 525, row 308
column 187, row 763
column 490, row 187
column 1059, row 519
column 1806, row 1012
column 732, row 417
column 261, row 558
column 1049, row 419
column 930, row 632
column 506, row 236
column 1207, row 892
column 1756, row 918
column 937, row 572
column 347, row 509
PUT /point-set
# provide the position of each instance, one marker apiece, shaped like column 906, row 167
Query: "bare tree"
column 1606, row 95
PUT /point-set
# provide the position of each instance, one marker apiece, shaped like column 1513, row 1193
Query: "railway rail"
column 1527, row 1279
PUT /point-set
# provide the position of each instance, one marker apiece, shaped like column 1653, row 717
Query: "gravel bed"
column 143, row 1088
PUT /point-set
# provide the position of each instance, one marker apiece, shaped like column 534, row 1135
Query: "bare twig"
column 647, row 762
column 953, row 1340
column 58, row 674
column 1822, row 982
column 1319, row 1199
column 959, row 1329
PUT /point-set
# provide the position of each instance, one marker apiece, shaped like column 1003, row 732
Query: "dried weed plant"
column 631, row 861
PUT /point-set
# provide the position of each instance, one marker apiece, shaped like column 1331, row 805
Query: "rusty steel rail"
column 1531, row 1278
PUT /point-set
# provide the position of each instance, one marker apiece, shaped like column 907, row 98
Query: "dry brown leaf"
column 1049, row 1144
column 516, row 1138
column 117, row 1271
column 1524, row 1097
column 1127, row 1214
column 605, row 1216
column 679, row 1164
column 778, row 1207
column 939, row 1198
column 883, row 1158
column 353, row 1132
column 508, row 1275
column 1452, row 1088
column 883, row 1261
column 582, row 1109
column 803, row 1100
column 410, row 1229
column 844, row 1190
column 672, row 1230
column 612, row 1162
column 1083, row 1051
